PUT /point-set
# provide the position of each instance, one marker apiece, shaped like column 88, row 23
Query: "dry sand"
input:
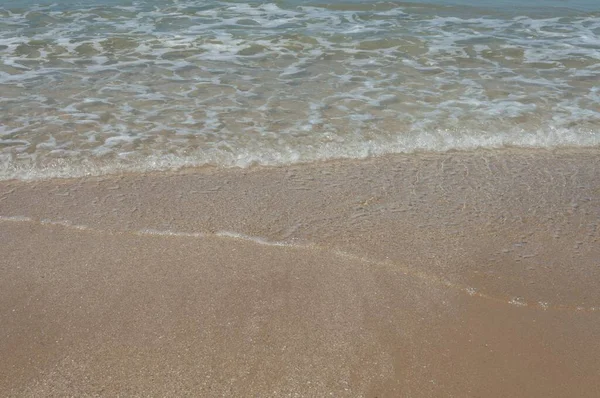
column 459, row 274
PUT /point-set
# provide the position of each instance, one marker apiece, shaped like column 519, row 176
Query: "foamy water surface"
column 96, row 87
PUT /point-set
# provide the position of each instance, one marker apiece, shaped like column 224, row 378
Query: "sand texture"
column 459, row 274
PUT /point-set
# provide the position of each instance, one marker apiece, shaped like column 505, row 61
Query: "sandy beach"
column 466, row 274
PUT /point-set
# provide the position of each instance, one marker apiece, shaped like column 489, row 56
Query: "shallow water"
column 90, row 87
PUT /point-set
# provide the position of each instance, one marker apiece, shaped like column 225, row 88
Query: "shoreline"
column 227, row 235
column 204, row 168
column 465, row 273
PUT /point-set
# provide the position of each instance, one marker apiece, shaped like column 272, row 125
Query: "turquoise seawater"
column 91, row 87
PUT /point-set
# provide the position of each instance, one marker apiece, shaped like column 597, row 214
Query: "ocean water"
column 102, row 86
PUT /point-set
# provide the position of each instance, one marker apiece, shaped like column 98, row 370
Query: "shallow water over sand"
column 102, row 87
column 423, row 275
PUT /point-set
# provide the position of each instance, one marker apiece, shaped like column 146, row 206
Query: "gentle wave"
column 247, row 157
column 160, row 85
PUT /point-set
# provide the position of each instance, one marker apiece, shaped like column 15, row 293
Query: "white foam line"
column 256, row 239
column 63, row 223
column 471, row 291
column 15, row 219
column 154, row 232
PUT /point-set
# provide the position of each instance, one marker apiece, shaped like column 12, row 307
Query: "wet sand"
column 457, row 274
